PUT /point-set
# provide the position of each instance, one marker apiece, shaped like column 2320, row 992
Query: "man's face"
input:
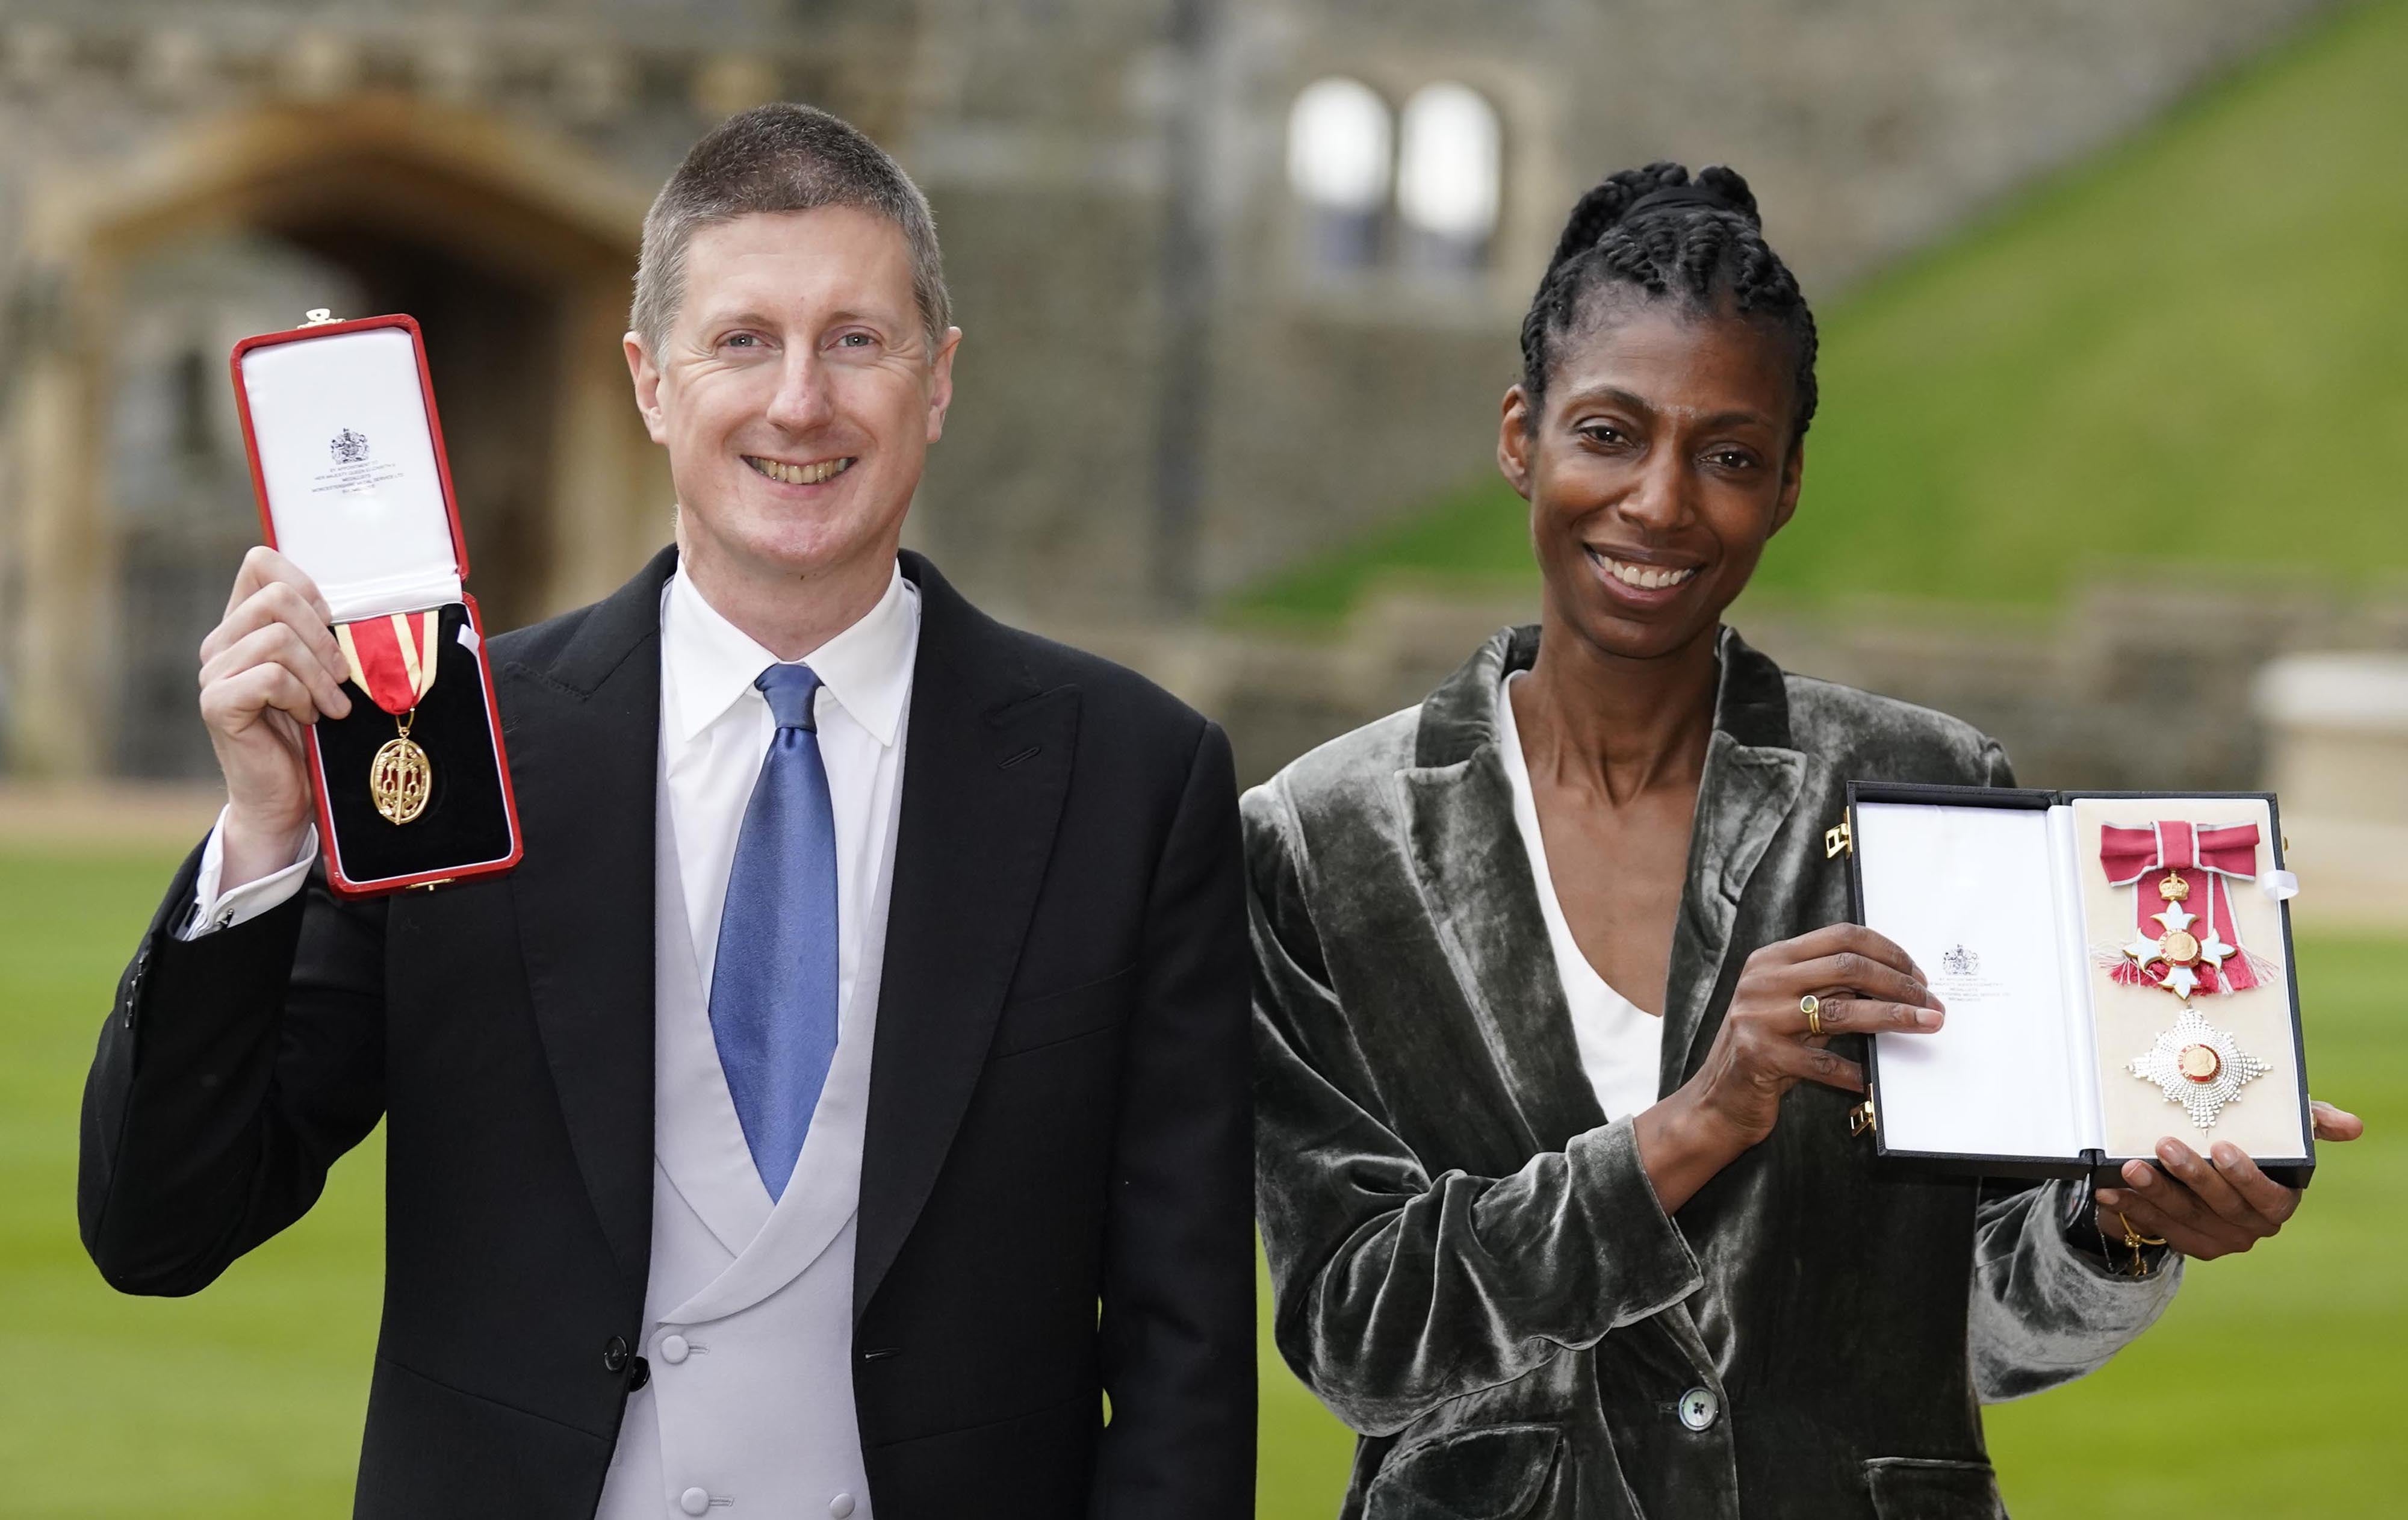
column 795, row 393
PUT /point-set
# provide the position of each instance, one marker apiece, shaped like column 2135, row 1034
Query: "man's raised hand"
column 269, row 666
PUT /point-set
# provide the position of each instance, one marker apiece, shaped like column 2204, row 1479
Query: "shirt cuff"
column 213, row 910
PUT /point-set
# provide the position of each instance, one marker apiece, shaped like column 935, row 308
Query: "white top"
column 1621, row 1044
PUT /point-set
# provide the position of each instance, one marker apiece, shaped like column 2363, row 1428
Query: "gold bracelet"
column 2134, row 1240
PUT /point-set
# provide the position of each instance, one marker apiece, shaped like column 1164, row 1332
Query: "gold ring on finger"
column 1812, row 1007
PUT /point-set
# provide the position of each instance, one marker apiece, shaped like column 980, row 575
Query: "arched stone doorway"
column 511, row 249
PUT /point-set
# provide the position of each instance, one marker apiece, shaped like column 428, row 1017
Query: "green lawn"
column 243, row 1402
column 2190, row 351
column 2274, row 1387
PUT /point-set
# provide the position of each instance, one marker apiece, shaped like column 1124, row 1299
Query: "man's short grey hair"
column 774, row 158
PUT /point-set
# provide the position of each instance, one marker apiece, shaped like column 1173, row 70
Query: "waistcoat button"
column 694, row 1500
column 1698, row 1407
column 673, row 1349
column 841, row 1506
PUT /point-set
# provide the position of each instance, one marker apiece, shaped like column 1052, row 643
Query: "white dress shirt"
column 715, row 732
column 749, row 1408
column 749, row 1308
column 1621, row 1044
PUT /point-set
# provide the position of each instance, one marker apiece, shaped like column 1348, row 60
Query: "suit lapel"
column 585, row 734
column 987, row 766
column 1476, row 884
column 1752, row 781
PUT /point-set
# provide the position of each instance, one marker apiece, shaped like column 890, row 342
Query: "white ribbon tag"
column 2279, row 887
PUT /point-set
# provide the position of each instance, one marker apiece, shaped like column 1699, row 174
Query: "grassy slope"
column 246, row 1401
column 2192, row 349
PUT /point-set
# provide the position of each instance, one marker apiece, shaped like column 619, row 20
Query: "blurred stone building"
column 1241, row 277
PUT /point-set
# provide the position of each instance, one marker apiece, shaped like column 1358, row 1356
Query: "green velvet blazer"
column 1472, row 1267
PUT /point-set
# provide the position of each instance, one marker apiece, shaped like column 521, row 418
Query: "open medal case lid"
column 348, row 464
column 2083, row 1026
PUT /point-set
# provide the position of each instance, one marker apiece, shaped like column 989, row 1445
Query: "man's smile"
column 787, row 473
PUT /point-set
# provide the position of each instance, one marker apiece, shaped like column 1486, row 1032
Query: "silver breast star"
column 2198, row 1067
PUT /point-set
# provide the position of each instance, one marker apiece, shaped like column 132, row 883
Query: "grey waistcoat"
column 1472, row 1267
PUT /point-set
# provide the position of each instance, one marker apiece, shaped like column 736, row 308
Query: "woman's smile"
column 1640, row 582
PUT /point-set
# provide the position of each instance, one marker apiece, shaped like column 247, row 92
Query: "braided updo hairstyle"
column 1657, row 231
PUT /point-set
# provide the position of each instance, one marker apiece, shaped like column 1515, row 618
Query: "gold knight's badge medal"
column 393, row 659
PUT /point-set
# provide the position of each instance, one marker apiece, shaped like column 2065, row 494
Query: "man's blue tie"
column 773, row 984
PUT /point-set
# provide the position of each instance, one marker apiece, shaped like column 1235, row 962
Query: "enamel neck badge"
column 2186, row 943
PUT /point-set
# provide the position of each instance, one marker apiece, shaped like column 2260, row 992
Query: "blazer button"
column 640, row 1372
column 1698, row 1407
column 614, row 1354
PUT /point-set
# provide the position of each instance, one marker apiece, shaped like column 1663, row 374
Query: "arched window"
column 1338, row 147
column 1448, row 170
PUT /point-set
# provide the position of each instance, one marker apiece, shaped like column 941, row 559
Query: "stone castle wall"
column 1868, row 127
column 1161, row 399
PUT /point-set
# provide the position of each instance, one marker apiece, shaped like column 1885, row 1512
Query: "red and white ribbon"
column 393, row 659
column 2207, row 860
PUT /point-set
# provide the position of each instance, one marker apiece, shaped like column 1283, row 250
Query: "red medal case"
column 347, row 460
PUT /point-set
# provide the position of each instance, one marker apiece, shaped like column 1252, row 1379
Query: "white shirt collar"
column 712, row 664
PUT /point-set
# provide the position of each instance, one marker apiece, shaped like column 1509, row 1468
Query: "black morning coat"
column 1057, row 1183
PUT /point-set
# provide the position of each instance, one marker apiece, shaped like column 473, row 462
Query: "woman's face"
column 1662, row 460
